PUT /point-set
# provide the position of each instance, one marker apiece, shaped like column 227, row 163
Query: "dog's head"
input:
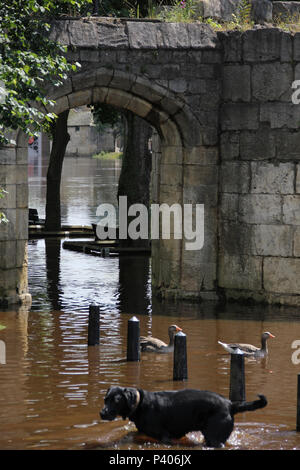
column 119, row 401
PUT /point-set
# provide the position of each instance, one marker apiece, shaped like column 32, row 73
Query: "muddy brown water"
column 52, row 384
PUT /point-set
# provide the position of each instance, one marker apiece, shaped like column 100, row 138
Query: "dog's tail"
column 239, row 407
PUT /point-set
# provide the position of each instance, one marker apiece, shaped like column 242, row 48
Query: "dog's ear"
column 108, row 390
column 130, row 394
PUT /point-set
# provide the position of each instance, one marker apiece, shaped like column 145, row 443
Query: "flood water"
column 52, row 384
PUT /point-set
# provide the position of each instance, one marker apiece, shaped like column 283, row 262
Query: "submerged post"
column 237, row 378
column 180, row 357
column 93, row 327
column 133, row 339
column 298, row 404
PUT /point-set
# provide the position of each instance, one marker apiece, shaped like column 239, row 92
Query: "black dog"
column 172, row 414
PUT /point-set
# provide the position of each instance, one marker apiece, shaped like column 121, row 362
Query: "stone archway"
column 179, row 135
column 169, row 77
column 179, row 147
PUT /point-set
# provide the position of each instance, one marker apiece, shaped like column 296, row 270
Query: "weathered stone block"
column 209, row 136
column 118, row 98
column 297, row 242
column 229, row 204
column 212, row 57
column 9, row 199
column 171, row 174
column 83, row 34
column 266, row 45
column 84, row 80
column 172, row 154
column 280, row 115
column 240, row 272
column 8, row 230
column 58, row 92
column 282, row 275
column 236, row 83
column 89, row 55
column 288, row 144
column 201, row 194
column 140, row 107
column 111, row 36
column 230, row 145
column 61, row 104
column 291, row 210
column 189, row 127
column 196, row 275
column 258, row 145
column 178, row 85
column 172, row 36
column 232, row 43
column 8, row 254
column 235, row 238
column 272, row 240
column 99, row 94
column 296, row 45
column 169, row 195
column 8, row 175
column 140, row 37
column 195, row 175
column 272, row 179
column 22, row 196
column 260, row 208
column 21, row 155
column 235, row 177
column 201, row 155
column 272, row 82
column 22, row 224
column 59, row 32
column 202, row 36
column 7, row 156
column 239, row 116
column 21, row 253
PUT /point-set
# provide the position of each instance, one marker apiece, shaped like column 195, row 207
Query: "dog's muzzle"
column 107, row 415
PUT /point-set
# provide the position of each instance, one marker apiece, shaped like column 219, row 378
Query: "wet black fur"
column 172, row 414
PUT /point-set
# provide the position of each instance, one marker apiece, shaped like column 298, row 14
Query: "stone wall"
column 85, row 139
column 14, row 234
column 229, row 139
column 260, row 155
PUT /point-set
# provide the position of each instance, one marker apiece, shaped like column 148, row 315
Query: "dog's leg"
column 218, row 430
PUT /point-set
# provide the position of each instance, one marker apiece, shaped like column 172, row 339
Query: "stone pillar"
column 14, row 234
column 199, row 265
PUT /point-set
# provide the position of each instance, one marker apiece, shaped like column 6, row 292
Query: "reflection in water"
column 86, row 183
column 52, row 256
column 134, row 278
column 52, row 385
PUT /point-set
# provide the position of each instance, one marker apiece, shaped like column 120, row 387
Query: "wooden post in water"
column 133, row 339
column 180, row 357
column 93, row 327
column 237, row 378
column 298, row 404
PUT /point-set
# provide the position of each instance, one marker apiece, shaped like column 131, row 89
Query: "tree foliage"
column 28, row 61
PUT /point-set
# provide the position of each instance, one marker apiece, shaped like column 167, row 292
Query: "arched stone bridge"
column 229, row 139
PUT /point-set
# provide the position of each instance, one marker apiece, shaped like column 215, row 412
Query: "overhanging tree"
column 29, row 61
